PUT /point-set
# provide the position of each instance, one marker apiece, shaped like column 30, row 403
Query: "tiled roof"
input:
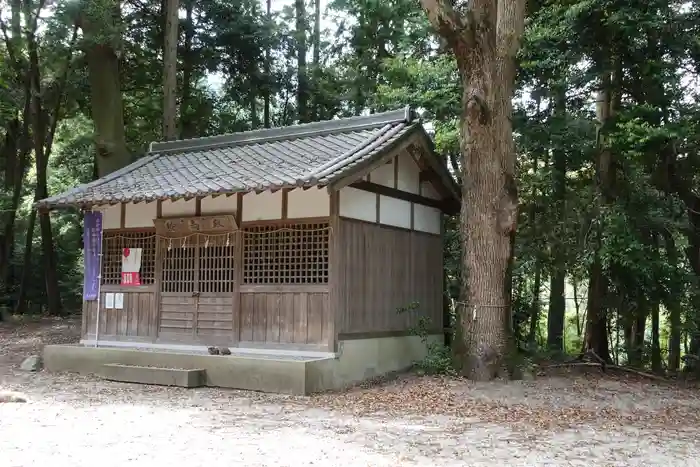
column 295, row 156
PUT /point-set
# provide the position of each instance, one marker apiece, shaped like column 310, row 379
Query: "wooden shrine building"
column 280, row 244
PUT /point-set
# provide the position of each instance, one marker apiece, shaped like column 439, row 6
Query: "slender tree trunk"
column 105, row 90
column 302, row 76
column 557, row 288
column 268, row 75
column 41, row 155
column 535, row 308
column 577, row 306
column 674, row 309
column 316, row 112
column 596, row 334
column 656, row 363
column 170, row 71
column 485, row 41
column 21, row 307
column 187, row 125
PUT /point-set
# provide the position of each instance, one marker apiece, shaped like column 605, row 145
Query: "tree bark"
column 268, row 66
column 673, row 305
column 316, row 68
column 596, row 331
column 187, row 125
column 485, row 39
column 43, row 128
column 656, row 363
column 21, row 306
column 557, row 288
column 170, row 71
column 105, row 91
column 302, row 78
column 535, row 308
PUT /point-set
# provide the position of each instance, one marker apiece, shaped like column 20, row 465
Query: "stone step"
column 153, row 375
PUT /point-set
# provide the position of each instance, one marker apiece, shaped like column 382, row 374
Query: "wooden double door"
column 198, row 290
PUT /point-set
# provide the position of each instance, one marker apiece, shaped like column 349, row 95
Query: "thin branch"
column 10, row 49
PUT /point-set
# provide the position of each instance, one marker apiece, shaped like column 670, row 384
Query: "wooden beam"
column 239, row 208
column 122, row 215
column 285, row 202
column 348, row 336
column 399, row 194
column 396, row 172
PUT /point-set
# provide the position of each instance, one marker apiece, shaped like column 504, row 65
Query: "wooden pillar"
column 238, row 271
column 158, row 279
column 334, row 282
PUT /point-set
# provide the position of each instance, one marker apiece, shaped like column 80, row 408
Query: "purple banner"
column 92, row 243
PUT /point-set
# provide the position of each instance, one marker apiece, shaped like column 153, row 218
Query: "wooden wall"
column 292, row 314
column 137, row 322
column 379, row 269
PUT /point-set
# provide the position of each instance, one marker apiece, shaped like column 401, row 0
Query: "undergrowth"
column 438, row 359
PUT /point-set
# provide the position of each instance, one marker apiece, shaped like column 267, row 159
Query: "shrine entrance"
column 198, row 299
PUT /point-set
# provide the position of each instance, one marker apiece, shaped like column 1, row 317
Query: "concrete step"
column 153, row 375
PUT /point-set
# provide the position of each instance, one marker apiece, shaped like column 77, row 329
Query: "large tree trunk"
column 302, row 78
column 170, row 71
column 485, row 40
column 105, row 91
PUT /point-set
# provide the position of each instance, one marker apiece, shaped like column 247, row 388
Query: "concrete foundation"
column 152, row 375
column 355, row 361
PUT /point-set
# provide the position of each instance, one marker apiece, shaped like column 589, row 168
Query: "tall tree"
column 302, row 72
column 170, row 70
column 268, row 67
column 484, row 35
column 557, row 285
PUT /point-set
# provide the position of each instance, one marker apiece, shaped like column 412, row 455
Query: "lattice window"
column 216, row 264
column 290, row 254
column 179, row 260
column 199, row 264
column 113, row 244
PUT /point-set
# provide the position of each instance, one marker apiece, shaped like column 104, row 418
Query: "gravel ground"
column 556, row 420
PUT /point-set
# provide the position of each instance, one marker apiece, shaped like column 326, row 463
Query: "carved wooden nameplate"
column 178, row 226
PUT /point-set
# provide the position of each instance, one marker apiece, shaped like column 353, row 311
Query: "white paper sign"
column 109, row 300
column 119, row 301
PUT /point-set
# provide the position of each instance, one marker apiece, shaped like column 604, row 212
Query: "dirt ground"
column 564, row 420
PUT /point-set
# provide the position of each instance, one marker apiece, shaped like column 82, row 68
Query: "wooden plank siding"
column 137, row 322
column 380, row 269
column 285, row 315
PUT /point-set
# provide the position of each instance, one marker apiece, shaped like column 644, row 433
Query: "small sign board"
column 178, row 226
column 119, row 301
column 109, row 300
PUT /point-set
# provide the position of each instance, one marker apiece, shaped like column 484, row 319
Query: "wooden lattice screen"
column 113, row 244
column 289, row 254
column 198, row 264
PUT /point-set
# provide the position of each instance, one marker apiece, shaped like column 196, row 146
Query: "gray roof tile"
column 301, row 155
